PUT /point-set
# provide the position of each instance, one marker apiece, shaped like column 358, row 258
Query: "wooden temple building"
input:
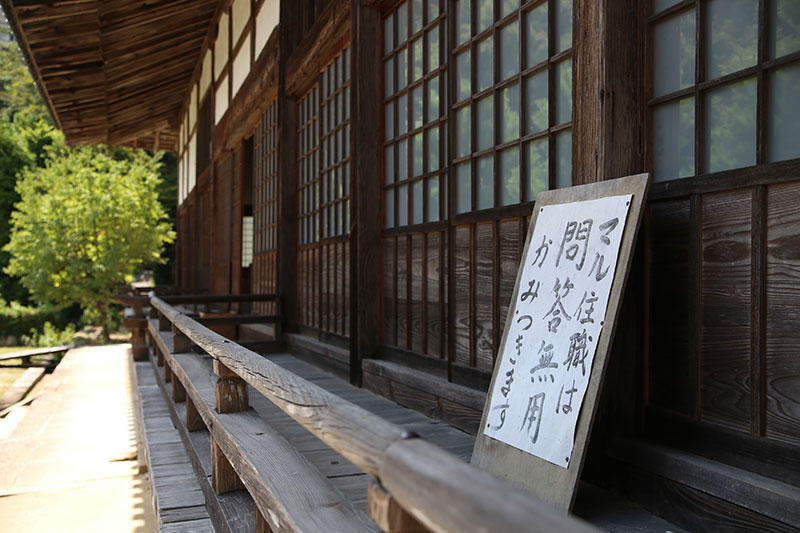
column 360, row 174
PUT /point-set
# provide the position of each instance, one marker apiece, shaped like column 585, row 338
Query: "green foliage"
column 49, row 336
column 86, row 222
column 168, row 196
column 17, row 321
column 19, row 99
column 12, row 159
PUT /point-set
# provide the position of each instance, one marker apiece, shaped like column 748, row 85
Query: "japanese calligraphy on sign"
column 556, row 318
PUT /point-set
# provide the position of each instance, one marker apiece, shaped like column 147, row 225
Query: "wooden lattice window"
column 512, row 101
column 323, row 196
column 266, row 195
column 724, row 84
column 324, row 149
column 415, row 123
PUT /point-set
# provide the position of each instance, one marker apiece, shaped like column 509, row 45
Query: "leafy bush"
column 17, row 321
column 49, row 336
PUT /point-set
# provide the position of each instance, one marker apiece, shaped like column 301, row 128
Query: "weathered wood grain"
column 461, row 305
column 276, row 475
column 783, row 320
column 484, row 297
column 338, row 423
column 420, row 476
column 725, row 386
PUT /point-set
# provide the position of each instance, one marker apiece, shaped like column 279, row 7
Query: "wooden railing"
column 415, row 482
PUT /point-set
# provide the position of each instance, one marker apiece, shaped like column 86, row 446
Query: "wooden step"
column 714, row 492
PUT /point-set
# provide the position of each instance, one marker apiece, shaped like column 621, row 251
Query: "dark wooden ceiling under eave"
column 113, row 71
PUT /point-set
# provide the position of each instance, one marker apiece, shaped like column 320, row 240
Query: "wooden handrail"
column 357, row 434
column 218, row 298
column 420, row 476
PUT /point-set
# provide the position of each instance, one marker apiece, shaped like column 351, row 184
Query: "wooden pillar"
column 230, row 391
column 167, row 373
column 194, row 422
column 608, row 114
column 163, row 323
column 262, row 526
column 388, row 514
column 608, row 141
column 223, row 477
column 289, row 33
column 365, row 234
column 159, row 357
column 152, row 312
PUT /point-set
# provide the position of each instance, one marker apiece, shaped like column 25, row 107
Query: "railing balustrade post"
column 180, row 343
column 230, row 391
column 388, row 514
column 223, row 477
column 178, row 391
column 163, row 323
column 194, row 422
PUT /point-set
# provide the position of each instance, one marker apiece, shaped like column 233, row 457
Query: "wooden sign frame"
column 547, row 481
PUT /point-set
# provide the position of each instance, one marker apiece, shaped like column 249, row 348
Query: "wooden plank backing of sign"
column 541, row 478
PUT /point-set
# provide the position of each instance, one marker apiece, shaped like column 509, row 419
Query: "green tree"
column 85, row 223
column 19, row 99
column 12, row 160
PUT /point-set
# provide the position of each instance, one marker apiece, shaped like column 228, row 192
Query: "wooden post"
column 230, row 392
column 180, row 343
column 159, row 357
column 167, row 373
column 194, row 422
column 163, row 323
column 289, row 34
column 262, row 526
column 178, row 392
column 139, row 342
column 387, row 513
column 365, row 261
column 152, row 312
column 223, row 477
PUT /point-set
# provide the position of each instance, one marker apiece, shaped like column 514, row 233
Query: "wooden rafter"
column 114, row 71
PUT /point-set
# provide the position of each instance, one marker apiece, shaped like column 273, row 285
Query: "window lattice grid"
column 720, row 92
column 512, row 101
column 265, row 170
column 415, row 89
column 324, row 155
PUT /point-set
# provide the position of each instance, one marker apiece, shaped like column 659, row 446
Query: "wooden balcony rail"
column 414, row 480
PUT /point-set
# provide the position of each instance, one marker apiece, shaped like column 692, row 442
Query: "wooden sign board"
column 554, row 350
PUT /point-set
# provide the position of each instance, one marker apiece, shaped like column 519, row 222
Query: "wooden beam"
column 318, row 46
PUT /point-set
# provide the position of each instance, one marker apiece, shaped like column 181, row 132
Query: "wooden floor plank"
column 176, row 492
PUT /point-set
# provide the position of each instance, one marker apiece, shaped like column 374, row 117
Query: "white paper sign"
column 558, row 312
